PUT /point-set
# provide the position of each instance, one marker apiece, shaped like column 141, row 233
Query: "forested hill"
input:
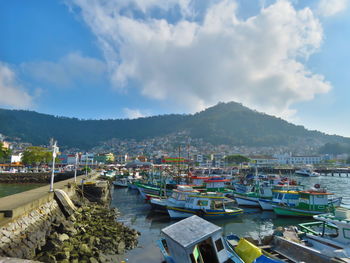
column 225, row 123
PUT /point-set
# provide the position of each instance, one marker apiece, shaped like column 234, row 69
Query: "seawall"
column 35, row 177
column 26, row 219
column 49, row 227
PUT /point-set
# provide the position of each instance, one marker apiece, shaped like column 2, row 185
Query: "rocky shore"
column 90, row 234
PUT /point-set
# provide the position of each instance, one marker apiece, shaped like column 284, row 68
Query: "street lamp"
column 76, row 167
column 55, row 150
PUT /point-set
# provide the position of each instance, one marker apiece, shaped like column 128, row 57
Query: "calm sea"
column 137, row 214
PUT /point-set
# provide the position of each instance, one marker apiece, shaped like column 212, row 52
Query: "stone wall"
column 34, row 177
column 21, row 237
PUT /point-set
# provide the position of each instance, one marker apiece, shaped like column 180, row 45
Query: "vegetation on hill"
column 226, row 123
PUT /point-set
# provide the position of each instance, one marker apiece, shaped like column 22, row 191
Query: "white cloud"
column 11, row 93
column 70, row 70
column 331, row 7
column 198, row 62
column 134, row 113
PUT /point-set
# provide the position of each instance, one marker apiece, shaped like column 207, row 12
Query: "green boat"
column 312, row 202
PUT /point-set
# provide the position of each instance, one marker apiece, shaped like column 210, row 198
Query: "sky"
column 97, row 59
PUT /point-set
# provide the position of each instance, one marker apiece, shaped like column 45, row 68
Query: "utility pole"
column 55, row 150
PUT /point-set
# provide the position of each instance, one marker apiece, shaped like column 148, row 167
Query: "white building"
column 290, row 159
column 121, row 158
column 262, row 161
column 88, row 157
column 16, row 158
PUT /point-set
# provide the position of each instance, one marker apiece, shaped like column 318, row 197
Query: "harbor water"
column 255, row 223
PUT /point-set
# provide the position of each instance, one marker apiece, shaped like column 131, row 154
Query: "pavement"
column 13, row 206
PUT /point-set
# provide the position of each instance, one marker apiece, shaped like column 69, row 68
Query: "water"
column 10, row 189
column 255, row 223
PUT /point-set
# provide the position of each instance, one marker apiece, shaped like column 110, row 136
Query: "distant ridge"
column 225, row 123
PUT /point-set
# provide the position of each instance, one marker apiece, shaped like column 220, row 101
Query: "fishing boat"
column 207, row 205
column 261, row 190
column 195, row 240
column 121, row 182
column 177, row 198
column 146, row 190
column 310, row 203
column 330, row 234
column 289, row 197
column 307, row 172
column 248, row 252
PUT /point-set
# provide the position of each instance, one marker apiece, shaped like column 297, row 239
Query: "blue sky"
column 119, row 59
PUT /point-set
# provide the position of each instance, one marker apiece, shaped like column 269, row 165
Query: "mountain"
column 226, row 123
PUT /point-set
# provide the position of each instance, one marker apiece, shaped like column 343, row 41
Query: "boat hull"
column 295, row 212
column 177, row 212
column 119, row 184
column 247, row 201
column 266, row 204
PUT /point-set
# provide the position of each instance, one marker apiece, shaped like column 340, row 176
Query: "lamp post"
column 55, row 150
column 86, row 165
column 76, row 167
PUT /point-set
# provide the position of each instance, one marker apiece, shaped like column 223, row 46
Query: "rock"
column 62, row 255
column 121, row 247
column 84, row 249
column 63, row 237
column 93, row 260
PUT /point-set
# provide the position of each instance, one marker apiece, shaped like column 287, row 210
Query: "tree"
column 35, row 155
column 5, row 153
column 236, row 159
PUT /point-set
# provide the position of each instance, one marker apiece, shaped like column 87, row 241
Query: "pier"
column 340, row 172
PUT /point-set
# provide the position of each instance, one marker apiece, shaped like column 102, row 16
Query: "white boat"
column 324, row 241
column 288, row 197
column 177, row 198
column 243, row 200
column 195, row 240
column 207, row 205
column 307, row 173
column 334, row 238
column 121, row 182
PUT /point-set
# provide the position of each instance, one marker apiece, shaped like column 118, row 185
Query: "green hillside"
column 225, row 123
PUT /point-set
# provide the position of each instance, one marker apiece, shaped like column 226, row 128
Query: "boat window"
column 346, row 233
column 202, row 202
column 219, row 245
column 291, row 196
column 182, row 197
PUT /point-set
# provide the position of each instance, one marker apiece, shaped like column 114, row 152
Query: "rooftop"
column 190, row 230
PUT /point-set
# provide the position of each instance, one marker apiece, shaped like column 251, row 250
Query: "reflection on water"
column 10, row 189
column 255, row 223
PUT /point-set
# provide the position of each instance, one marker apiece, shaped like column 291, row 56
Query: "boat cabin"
column 286, row 197
column 199, row 180
column 315, row 200
column 206, row 201
column 215, row 183
column 182, row 192
column 339, row 221
column 195, row 240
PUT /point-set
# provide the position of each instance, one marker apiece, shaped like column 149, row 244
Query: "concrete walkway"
column 13, row 206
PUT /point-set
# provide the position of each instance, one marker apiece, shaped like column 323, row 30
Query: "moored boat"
column 207, row 205
column 195, row 240
column 310, row 203
column 330, row 235
column 307, row 172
